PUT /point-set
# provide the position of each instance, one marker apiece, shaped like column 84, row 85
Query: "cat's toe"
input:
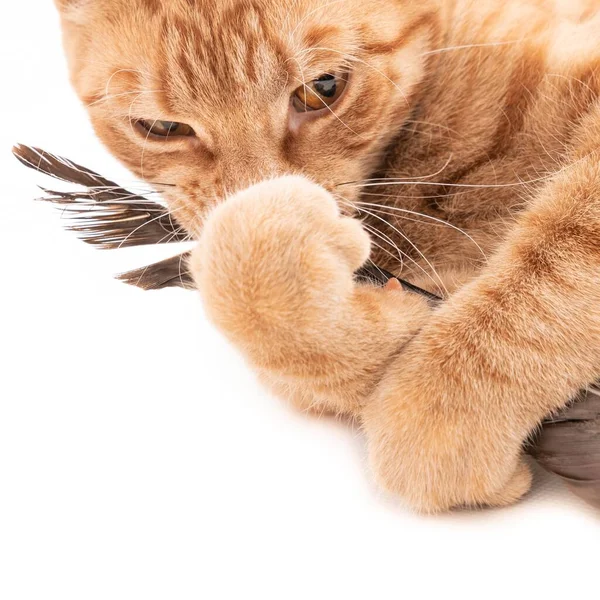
column 352, row 242
column 518, row 485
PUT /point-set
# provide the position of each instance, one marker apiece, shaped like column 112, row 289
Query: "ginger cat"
column 454, row 142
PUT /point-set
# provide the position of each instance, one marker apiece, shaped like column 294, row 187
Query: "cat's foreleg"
column 448, row 421
column 275, row 268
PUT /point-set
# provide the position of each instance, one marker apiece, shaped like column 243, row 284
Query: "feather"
column 116, row 223
column 569, row 445
column 102, row 213
column 61, row 168
column 109, row 216
column 167, row 273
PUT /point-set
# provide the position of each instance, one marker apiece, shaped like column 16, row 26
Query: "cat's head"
column 209, row 96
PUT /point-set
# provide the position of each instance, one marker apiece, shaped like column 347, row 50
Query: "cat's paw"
column 441, row 440
column 276, row 260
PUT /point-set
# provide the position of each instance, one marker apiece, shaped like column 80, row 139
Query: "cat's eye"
column 319, row 93
column 166, row 129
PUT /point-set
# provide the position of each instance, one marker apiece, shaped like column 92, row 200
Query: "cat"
column 454, row 142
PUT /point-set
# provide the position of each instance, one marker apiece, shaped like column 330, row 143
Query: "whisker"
column 377, row 234
column 146, row 223
column 382, row 236
column 376, row 267
column 437, row 221
column 390, row 182
column 425, row 259
column 470, row 46
column 408, row 196
column 431, row 124
column 118, row 72
column 383, row 180
column 144, row 147
column 108, row 97
column 416, row 182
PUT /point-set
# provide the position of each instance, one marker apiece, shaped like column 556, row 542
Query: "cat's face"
column 209, row 96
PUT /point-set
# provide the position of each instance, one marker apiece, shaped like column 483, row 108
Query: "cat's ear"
column 73, row 10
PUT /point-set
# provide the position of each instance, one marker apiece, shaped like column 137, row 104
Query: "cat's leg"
column 275, row 268
column 447, row 424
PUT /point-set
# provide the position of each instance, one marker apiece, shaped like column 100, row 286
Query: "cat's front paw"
column 440, row 439
column 276, row 261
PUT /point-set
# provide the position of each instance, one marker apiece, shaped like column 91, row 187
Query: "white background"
column 139, row 459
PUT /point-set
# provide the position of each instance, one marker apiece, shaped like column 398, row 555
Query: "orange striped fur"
column 466, row 143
